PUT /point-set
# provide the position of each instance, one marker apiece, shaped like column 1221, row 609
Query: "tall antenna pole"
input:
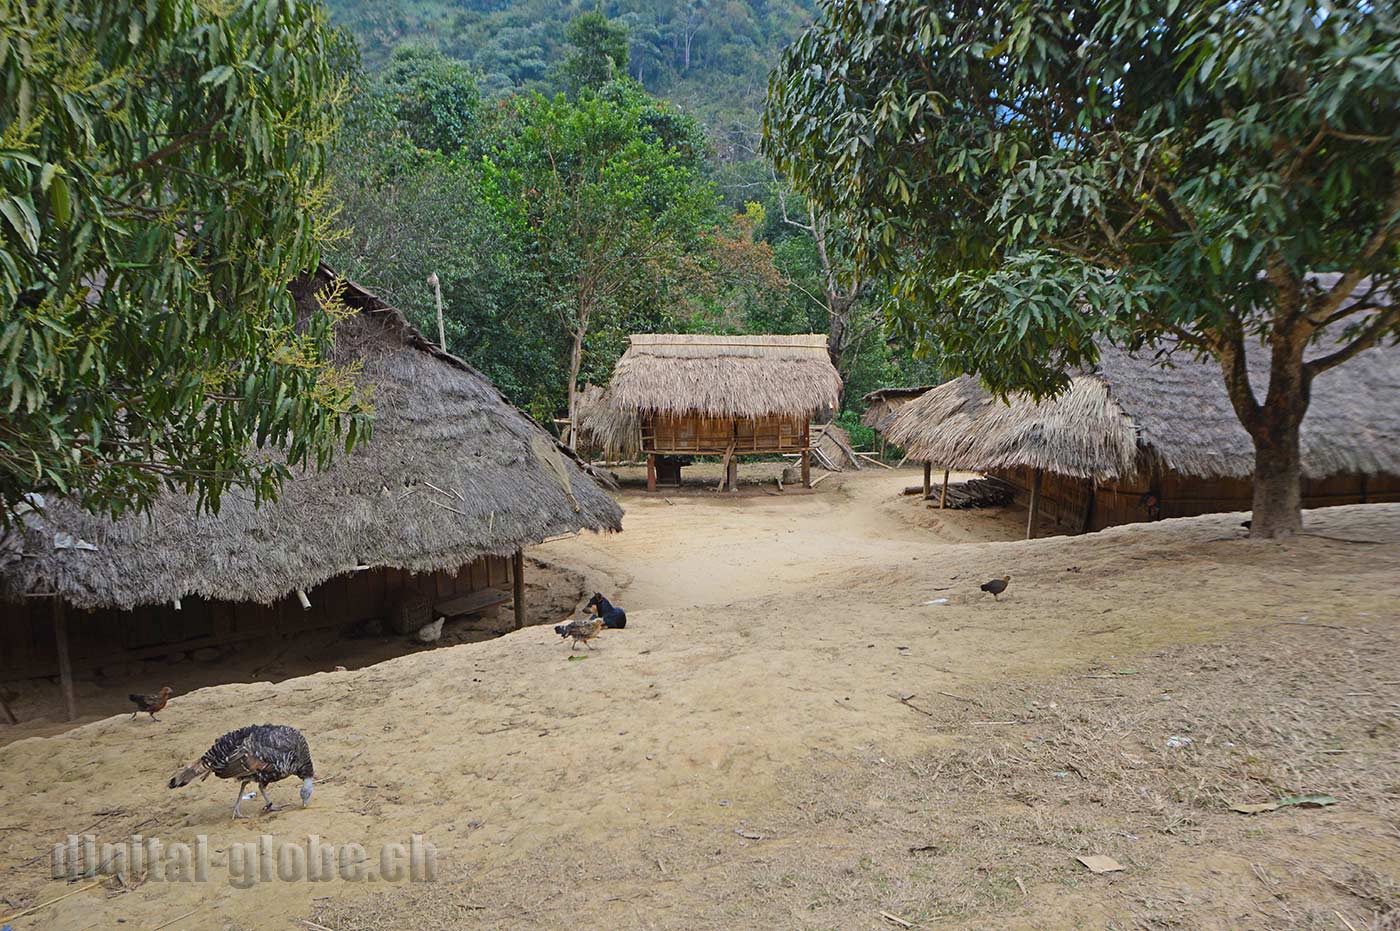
column 437, row 295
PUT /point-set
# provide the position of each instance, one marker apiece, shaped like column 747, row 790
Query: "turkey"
column 261, row 753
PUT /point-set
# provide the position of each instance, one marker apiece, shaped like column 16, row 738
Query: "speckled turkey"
column 261, row 753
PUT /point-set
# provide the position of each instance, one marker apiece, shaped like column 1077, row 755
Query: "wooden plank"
column 518, row 586
column 869, row 458
column 65, row 665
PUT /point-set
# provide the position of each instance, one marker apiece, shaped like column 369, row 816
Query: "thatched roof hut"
column 725, row 376
column 678, row 395
column 1178, row 417
column 605, row 430
column 1164, row 439
column 452, row 472
column 880, row 406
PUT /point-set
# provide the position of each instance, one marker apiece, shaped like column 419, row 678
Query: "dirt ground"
column 550, row 590
column 796, row 731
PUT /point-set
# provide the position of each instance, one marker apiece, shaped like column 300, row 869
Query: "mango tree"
column 1039, row 175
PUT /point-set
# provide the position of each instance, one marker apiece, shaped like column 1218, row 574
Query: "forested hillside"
column 573, row 173
column 711, row 56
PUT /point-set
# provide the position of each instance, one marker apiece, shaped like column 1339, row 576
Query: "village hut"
column 1135, row 440
column 881, row 406
column 726, row 396
column 426, row 519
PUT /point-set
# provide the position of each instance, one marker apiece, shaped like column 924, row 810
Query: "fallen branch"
column 181, row 918
column 34, row 908
column 869, row 458
column 904, row 700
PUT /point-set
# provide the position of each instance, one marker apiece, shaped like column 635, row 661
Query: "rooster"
column 261, row 753
column 150, row 703
column 581, row 629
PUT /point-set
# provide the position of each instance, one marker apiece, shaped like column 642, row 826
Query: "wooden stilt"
column 518, row 581
column 928, row 479
column 651, row 472
column 65, row 664
column 1035, row 504
column 806, row 468
column 732, row 474
column 943, row 498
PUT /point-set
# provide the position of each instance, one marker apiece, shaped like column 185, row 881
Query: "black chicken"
column 261, row 753
column 996, row 586
column 614, row 618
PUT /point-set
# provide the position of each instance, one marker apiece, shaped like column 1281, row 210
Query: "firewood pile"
column 977, row 493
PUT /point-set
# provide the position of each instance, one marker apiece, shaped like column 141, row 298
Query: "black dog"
column 613, row 617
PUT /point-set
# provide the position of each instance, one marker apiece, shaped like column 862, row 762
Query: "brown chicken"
column 581, row 629
column 150, row 703
column 996, row 586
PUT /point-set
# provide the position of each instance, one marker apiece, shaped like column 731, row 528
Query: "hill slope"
column 712, row 57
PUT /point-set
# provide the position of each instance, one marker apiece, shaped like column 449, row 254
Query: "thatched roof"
column 880, row 405
column 725, row 376
column 452, row 472
column 1180, row 415
column 604, row 429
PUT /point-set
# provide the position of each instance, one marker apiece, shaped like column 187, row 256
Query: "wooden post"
column 517, row 572
column 806, row 468
column 943, row 498
column 65, row 664
column 651, row 472
column 928, row 479
column 732, row 474
column 1035, row 504
column 437, row 296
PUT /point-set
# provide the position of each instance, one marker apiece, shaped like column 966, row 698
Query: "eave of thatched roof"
column 880, row 405
column 605, row 429
column 959, row 425
column 896, row 394
column 1178, row 414
column 452, row 472
column 725, row 376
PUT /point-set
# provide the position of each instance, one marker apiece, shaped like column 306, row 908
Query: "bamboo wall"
column 665, row 434
column 103, row 637
column 1064, row 501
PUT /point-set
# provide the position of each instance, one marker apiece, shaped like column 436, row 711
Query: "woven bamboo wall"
column 104, row 637
column 1064, row 500
column 712, row 436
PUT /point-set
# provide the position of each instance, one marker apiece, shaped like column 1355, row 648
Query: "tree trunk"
column 575, row 364
column 1278, row 483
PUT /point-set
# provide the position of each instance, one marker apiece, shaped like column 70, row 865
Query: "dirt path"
column 768, row 643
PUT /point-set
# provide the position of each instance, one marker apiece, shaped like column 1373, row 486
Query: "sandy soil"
column 740, row 756
column 550, row 590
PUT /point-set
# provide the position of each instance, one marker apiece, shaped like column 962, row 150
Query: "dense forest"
column 572, row 174
column 713, row 58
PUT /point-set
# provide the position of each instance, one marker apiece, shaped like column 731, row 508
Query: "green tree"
column 599, row 52
column 434, row 98
column 161, row 183
column 609, row 213
column 1037, row 175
